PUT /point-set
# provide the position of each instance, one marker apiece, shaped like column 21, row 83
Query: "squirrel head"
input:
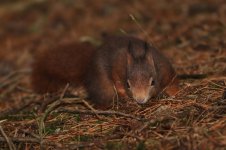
column 141, row 72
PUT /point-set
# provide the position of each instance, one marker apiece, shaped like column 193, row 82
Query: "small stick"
column 64, row 91
column 99, row 112
column 59, row 102
column 24, row 89
column 90, row 107
column 141, row 28
column 30, row 140
column 78, row 146
column 26, row 101
column 42, row 118
column 23, row 71
column 123, row 31
column 55, row 104
column 31, row 134
column 9, row 82
column 117, row 98
column 146, row 125
column 20, row 139
column 10, row 89
column 9, row 142
column 131, row 134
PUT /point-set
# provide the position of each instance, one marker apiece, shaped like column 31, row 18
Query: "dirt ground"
column 190, row 33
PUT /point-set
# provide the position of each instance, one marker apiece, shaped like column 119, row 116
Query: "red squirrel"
column 123, row 65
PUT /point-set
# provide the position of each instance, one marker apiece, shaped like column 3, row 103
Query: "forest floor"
column 190, row 33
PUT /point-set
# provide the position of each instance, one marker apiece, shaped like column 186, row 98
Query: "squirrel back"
column 55, row 67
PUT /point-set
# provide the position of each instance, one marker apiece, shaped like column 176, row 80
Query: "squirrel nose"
column 141, row 101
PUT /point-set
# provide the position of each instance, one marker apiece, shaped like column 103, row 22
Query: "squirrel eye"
column 151, row 82
column 128, row 84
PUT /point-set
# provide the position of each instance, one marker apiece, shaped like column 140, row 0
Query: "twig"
column 117, row 98
column 45, row 102
column 214, row 141
column 13, row 108
column 9, row 90
column 21, row 139
column 24, row 90
column 64, row 91
column 23, row 71
column 60, row 102
column 141, row 28
column 78, row 146
column 9, row 82
column 195, row 104
column 99, row 112
column 9, row 142
column 90, row 107
column 51, row 100
column 146, row 125
column 41, row 119
column 131, row 134
column 31, row 134
column 30, row 140
column 55, row 104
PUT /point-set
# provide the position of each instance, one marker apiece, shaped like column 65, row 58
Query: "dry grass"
column 191, row 34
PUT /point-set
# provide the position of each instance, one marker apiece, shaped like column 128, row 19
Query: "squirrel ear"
column 151, row 61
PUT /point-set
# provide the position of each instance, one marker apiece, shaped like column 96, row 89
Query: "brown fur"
column 56, row 67
column 107, row 71
column 123, row 58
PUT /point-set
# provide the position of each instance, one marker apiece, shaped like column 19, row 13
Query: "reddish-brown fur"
column 54, row 68
column 105, row 72
column 112, row 65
